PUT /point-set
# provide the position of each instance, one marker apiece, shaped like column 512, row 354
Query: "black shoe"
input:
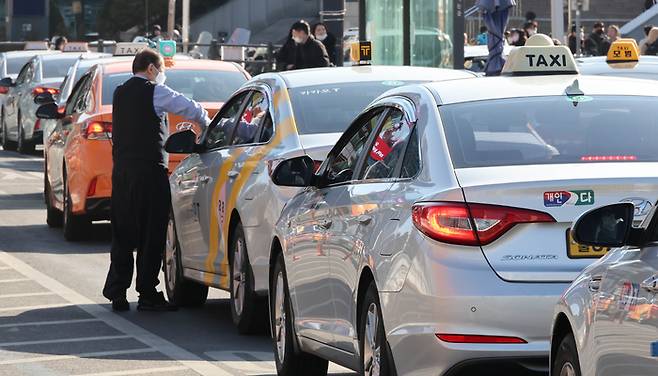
column 155, row 303
column 120, row 305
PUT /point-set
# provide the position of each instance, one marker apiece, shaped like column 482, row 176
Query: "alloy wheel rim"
column 371, row 348
column 567, row 370
column 170, row 256
column 239, row 279
column 280, row 318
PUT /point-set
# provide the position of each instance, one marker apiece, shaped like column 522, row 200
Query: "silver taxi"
column 434, row 239
column 224, row 203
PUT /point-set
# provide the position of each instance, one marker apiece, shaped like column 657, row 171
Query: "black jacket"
column 311, row 54
column 330, row 45
column 286, row 55
column 595, row 45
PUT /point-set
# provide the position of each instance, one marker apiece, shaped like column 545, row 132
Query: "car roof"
column 30, row 53
column 599, row 65
column 70, row 55
column 366, row 73
column 194, row 64
column 502, row 87
column 103, row 60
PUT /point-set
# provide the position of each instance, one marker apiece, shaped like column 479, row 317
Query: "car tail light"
column 470, row 224
column 98, row 130
column 4, row 90
column 92, row 188
column 470, row 338
column 608, row 158
column 40, row 90
column 37, row 124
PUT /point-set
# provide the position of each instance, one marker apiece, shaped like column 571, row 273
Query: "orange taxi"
column 78, row 161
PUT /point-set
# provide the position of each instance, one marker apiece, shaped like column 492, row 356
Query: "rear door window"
column 221, row 128
column 252, row 118
column 388, row 146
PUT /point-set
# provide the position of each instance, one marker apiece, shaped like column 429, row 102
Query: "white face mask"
column 298, row 40
column 321, row 37
column 160, row 78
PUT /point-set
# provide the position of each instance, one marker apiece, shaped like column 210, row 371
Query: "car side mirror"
column 7, row 82
column 44, row 98
column 608, row 226
column 49, row 111
column 182, row 143
column 295, row 172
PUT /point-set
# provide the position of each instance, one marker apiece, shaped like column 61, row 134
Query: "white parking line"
column 167, row 348
column 37, row 359
column 27, row 294
column 40, row 323
column 14, row 280
column 62, row 340
column 32, row 308
column 142, row 371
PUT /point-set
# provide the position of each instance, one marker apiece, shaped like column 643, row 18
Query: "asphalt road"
column 54, row 320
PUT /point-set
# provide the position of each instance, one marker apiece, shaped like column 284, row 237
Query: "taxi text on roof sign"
column 129, row 49
column 36, row 46
column 623, row 51
column 76, row 47
column 540, row 56
column 361, row 52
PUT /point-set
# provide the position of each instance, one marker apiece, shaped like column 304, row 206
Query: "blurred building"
column 25, row 19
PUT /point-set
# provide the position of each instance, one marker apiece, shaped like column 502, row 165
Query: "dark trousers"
column 140, row 212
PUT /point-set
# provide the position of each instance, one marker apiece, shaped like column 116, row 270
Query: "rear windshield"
column 552, row 130
column 14, row 64
column 200, row 85
column 331, row 108
column 57, row 67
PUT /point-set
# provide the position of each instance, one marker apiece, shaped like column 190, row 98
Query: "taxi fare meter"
column 167, row 48
column 621, row 51
column 361, row 52
column 539, row 56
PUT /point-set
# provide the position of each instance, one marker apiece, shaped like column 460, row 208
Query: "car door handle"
column 233, row 174
column 594, row 283
column 650, row 284
column 364, row 219
column 325, row 223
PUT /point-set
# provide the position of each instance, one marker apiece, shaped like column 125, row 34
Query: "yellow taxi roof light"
column 623, row 51
column 361, row 52
column 540, row 56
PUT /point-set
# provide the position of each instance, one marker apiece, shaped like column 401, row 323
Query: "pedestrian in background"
column 612, row 35
column 650, row 46
column 285, row 56
column 647, row 28
column 60, row 43
column 517, row 38
column 321, row 33
column 594, row 44
column 309, row 52
column 530, row 28
column 156, row 33
column 481, row 39
column 140, row 185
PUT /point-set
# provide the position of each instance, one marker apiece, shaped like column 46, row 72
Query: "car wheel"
column 24, row 146
column 247, row 309
column 6, row 143
column 288, row 361
column 180, row 291
column 566, row 361
column 75, row 226
column 372, row 338
column 54, row 217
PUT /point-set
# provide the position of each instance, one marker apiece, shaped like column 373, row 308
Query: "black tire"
column 288, row 361
column 248, row 310
column 180, row 291
column 371, row 310
column 54, row 217
column 6, row 143
column 24, row 146
column 566, row 358
column 76, row 227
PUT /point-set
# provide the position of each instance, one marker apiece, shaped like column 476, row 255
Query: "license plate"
column 575, row 250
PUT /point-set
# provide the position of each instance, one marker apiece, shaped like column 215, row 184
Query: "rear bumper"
column 509, row 366
column 98, row 209
column 37, row 137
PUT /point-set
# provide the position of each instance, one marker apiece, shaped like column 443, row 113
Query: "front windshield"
column 331, row 108
column 552, row 130
column 199, row 85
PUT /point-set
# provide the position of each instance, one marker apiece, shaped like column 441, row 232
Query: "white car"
column 606, row 323
column 434, row 238
column 224, row 205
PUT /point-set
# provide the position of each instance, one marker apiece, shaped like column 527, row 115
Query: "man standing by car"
column 140, row 186
column 310, row 52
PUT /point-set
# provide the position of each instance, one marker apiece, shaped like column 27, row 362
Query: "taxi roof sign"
column 76, row 47
column 624, row 50
column 540, row 56
column 129, row 49
column 361, row 52
column 36, row 46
